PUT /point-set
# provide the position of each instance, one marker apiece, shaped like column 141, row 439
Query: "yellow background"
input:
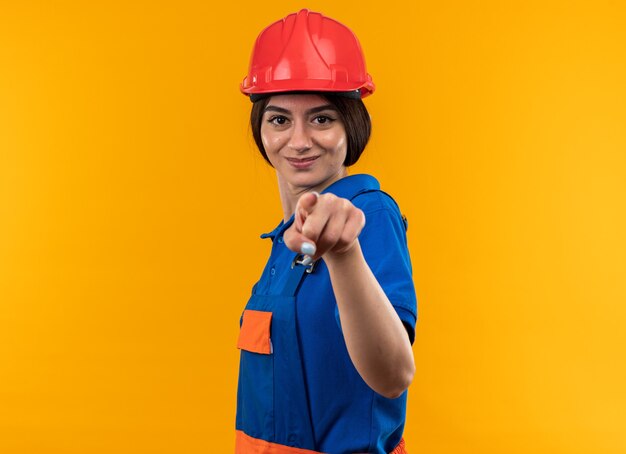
column 132, row 197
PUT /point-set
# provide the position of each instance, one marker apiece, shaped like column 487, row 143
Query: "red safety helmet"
column 307, row 51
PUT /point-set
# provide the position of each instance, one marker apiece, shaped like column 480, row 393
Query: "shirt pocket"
column 255, row 332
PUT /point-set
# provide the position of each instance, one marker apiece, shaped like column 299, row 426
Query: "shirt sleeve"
column 384, row 245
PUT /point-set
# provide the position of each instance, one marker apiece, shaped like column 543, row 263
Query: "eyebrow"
column 313, row 110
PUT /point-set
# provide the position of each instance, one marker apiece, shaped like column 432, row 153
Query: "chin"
column 305, row 179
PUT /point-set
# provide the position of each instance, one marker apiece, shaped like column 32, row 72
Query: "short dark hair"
column 353, row 114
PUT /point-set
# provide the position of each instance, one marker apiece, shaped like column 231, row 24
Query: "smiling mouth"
column 302, row 163
column 311, row 158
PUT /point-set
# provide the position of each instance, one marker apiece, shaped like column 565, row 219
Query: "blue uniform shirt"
column 346, row 415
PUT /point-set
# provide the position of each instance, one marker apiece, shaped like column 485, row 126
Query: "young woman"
column 326, row 336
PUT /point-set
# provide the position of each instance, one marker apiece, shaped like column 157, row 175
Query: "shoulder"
column 365, row 193
column 378, row 203
column 375, row 200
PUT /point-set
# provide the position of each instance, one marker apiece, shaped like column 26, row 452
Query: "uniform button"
column 273, row 271
column 280, row 239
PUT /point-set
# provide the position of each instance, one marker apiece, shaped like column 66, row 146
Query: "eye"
column 277, row 120
column 323, row 119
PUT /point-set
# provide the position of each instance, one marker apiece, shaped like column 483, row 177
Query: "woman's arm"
column 377, row 342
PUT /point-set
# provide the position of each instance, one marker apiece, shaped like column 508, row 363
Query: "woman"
column 326, row 336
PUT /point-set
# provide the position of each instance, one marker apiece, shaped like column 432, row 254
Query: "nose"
column 300, row 139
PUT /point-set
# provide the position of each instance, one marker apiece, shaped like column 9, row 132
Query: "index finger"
column 304, row 207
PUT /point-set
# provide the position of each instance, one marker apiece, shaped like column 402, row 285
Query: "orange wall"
column 131, row 199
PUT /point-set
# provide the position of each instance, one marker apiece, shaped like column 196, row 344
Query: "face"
column 305, row 140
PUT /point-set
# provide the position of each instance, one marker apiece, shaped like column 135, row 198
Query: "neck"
column 289, row 194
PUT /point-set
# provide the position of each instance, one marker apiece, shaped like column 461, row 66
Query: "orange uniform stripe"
column 245, row 444
column 400, row 449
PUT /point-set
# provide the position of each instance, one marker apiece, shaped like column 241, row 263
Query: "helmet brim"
column 354, row 94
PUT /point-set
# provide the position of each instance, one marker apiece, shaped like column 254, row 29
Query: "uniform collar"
column 347, row 188
column 278, row 230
